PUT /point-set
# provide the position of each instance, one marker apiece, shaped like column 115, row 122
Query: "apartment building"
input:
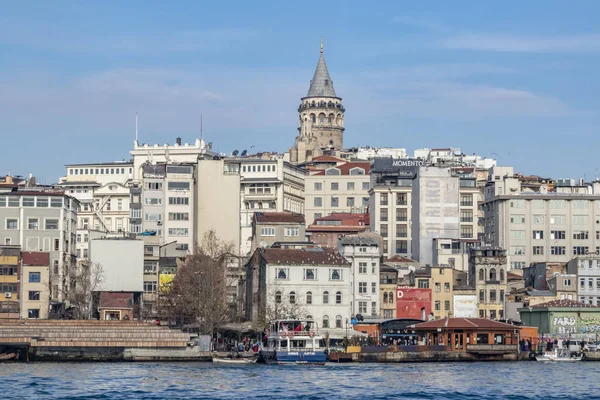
column 336, row 189
column 587, row 268
column 43, row 221
column 35, row 303
column 413, row 202
column 10, row 281
column 363, row 253
column 326, row 231
column 441, row 283
column 488, row 275
column 388, row 283
column 271, row 227
column 544, row 225
column 453, row 252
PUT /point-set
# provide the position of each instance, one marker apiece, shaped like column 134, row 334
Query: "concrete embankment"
column 47, row 340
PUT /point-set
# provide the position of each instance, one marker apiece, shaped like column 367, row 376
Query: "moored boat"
column 8, row 356
column 233, row 360
column 559, row 355
column 293, row 342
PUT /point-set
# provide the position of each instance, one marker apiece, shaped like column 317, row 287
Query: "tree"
column 280, row 306
column 198, row 293
column 88, row 280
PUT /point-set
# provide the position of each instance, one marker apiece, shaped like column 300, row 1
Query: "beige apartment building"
column 441, row 283
column 540, row 224
column 488, row 275
column 36, row 285
column 337, row 189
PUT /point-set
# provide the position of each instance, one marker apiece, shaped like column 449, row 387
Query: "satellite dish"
column 235, row 153
column 263, row 244
column 244, row 153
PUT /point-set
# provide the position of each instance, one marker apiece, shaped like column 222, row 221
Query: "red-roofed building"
column 326, row 231
column 116, row 306
column 341, row 187
column 36, row 284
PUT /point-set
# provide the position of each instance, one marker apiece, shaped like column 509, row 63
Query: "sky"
column 513, row 80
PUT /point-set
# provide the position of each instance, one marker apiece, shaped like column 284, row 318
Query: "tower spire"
column 321, row 44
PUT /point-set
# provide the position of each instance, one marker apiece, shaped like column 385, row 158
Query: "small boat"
column 559, row 355
column 293, row 342
column 233, row 360
column 8, row 356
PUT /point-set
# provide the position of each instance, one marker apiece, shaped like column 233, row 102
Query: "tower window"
column 314, row 118
column 326, row 82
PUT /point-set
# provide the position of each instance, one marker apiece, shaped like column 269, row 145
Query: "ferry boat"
column 293, row 341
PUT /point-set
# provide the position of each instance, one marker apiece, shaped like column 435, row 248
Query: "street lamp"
column 346, row 330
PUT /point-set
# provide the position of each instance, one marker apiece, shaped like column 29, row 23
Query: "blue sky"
column 513, row 80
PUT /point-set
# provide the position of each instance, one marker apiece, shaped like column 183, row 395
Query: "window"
column 325, row 321
column 349, row 185
column 557, row 220
column 350, row 202
column 33, row 313
column 557, row 204
column 28, row 201
column 517, row 235
column 179, row 216
column 338, row 322
column 318, row 202
column 437, row 305
column 362, row 287
column 579, row 204
column 401, row 214
column 482, row 296
column 32, row 223
column 466, row 232
column 179, row 169
column 278, row 297
column 447, row 305
column 466, row 200
column 154, row 185
column 385, row 247
column 335, row 202
column 362, row 307
column 150, row 286
column 481, row 275
column 365, row 201
column 517, row 250
column 335, row 274
column 12, row 224
column 178, row 186
column 517, row 219
column 401, row 199
column 537, row 235
column 292, row 297
column 35, row 277
column 325, row 297
column 150, row 267
column 318, row 186
column 580, row 235
column 401, row 246
column 446, row 287
column 178, row 232
column 14, row 201
column 267, row 231
column 334, row 186
column 34, row 295
column 177, row 201
column 362, row 267
column 373, row 287
column 153, row 217
column 466, row 216
column 580, row 250
column 383, row 230
column 423, row 283
column 538, row 219
column 308, row 297
column 56, row 244
column 580, row 219
column 283, row 273
column 292, row 231
column 338, row 298
column 538, row 250
column 557, row 235
column 42, row 202
column 365, row 186
column 310, row 274
column 383, row 199
column 438, row 287
column 493, row 276
column 383, row 214
column 558, row 250
column 567, row 282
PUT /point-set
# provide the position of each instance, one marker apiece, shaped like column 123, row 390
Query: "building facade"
column 10, row 281
column 487, row 274
column 35, row 302
column 588, row 273
column 388, row 283
column 271, row 227
column 363, row 253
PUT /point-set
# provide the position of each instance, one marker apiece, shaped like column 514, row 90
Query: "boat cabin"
column 293, row 335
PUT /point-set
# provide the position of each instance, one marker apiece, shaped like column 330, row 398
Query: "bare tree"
column 280, row 305
column 198, row 293
column 88, row 280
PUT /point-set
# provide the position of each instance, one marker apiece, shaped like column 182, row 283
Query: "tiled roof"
column 398, row 259
column 116, row 300
column 346, row 167
column 325, row 158
column 347, row 219
column 339, row 228
column 278, row 217
column 513, row 277
column 316, row 256
column 35, row 258
column 358, row 240
column 464, row 323
column 564, row 304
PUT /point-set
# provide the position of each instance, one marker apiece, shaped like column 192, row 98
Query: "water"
column 516, row 380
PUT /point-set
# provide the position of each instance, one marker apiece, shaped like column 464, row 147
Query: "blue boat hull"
column 292, row 357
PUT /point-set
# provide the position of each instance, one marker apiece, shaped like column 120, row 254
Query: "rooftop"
column 278, row 217
column 398, row 259
column 348, row 166
column 35, row 258
column 564, row 304
column 464, row 323
column 321, row 84
column 116, row 300
column 359, row 240
column 310, row 256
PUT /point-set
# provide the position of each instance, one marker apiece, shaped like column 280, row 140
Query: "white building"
column 588, row 273
column 122, row 263
column 363, row 254
column 453, row 156
column 313, row 282
column 543, row 225
column 368, row 153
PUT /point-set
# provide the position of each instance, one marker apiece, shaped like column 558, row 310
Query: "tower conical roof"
column 321, row 84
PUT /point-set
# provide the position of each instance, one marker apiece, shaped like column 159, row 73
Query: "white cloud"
column 588, row 43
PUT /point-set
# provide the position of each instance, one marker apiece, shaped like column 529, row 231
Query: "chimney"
column 178, row 141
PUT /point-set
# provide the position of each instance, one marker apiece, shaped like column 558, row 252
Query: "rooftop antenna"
column 136, row 127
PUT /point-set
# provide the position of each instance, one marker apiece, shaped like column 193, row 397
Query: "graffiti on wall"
column 565, row 325
column 590, row 325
